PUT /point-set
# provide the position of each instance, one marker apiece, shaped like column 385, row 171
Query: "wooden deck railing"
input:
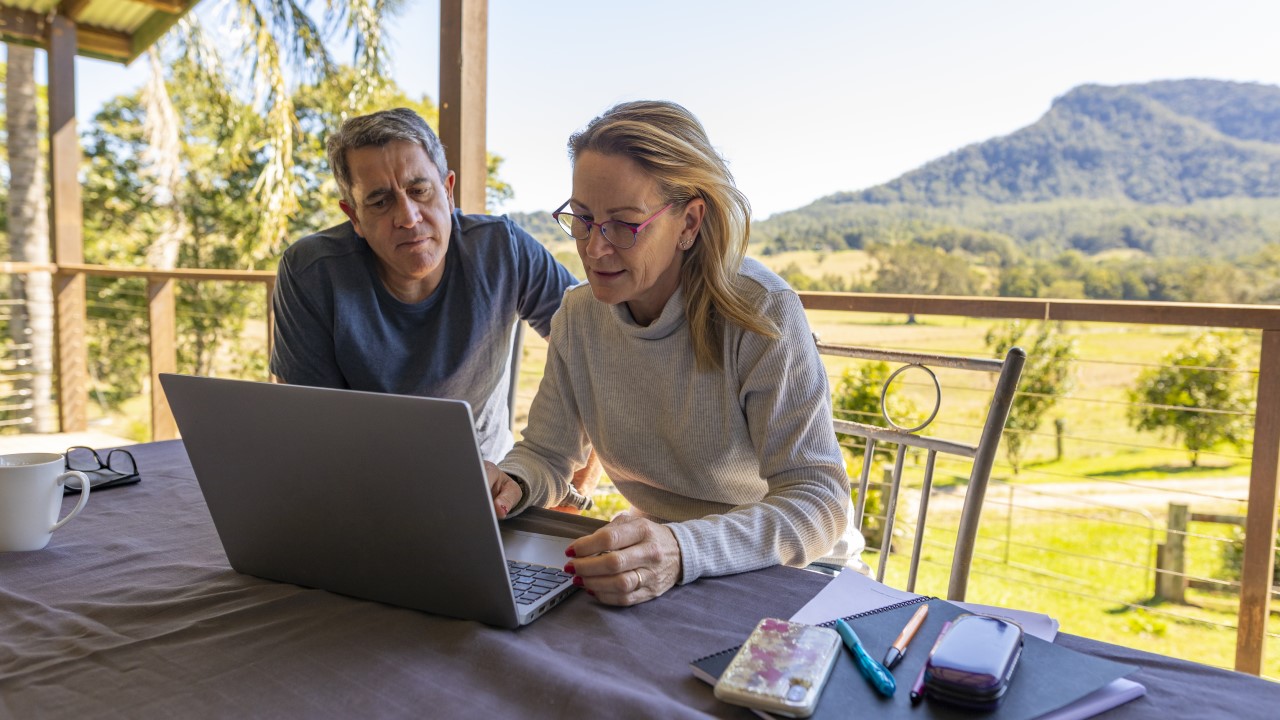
column 1260, row 523
column 72, row 351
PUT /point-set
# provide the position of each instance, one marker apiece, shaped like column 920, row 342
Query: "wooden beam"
column 16, row 24
column 28, row 28
column 195, row 274
column 106, row 44
column 66, row 225
column 1143, row 313
column 464, row 43
column 1260, row 524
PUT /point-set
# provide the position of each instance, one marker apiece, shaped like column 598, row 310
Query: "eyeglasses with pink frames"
column 619, row 234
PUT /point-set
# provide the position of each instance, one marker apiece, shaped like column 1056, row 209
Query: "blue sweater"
column 337, row 326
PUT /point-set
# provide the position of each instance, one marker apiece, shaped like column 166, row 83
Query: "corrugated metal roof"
column 39, row 6
column 107, row 29
column 121, row 15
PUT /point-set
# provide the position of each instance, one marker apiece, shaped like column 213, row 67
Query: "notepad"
column 1048, row 678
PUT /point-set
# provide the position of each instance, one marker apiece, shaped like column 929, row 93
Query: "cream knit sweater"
column 741, row 463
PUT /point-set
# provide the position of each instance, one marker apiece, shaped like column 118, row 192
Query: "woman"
column 691, row 370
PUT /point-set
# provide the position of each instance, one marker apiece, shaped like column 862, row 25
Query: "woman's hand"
column 506, row 492
column 628, row 561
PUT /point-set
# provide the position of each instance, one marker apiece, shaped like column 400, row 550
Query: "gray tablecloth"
column 133, row 612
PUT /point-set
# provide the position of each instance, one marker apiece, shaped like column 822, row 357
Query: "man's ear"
column 449, row 181
column 351, row 215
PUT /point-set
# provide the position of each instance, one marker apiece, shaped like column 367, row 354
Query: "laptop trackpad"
column 534, row 548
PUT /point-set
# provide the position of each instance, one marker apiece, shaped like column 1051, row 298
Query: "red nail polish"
column 503, row 508
column 568, row 567
column 569, row 552
column 578, row 582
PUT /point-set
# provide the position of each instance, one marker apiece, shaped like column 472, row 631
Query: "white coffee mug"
column 31, row 498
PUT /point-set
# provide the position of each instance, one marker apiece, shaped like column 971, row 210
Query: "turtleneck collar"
column 671, row 319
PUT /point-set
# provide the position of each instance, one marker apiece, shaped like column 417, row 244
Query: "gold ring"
column 639, row 578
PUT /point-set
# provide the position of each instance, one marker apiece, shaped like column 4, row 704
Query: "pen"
column 880, row 678
column 899, row 647
column 917, row 688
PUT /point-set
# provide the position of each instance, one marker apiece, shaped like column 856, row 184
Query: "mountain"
column 1179, row 168
column 1170, row 142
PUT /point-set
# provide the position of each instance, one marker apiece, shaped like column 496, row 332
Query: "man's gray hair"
column 378, row 129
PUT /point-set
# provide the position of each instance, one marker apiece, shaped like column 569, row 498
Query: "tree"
column 281, row 38
column 1045, row 377
column 911, row 269
column 857, row 399
column 31, row 325
column 1198, row 395
column 857, row 396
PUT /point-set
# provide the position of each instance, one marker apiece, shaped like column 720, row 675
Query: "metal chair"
column 983, row 453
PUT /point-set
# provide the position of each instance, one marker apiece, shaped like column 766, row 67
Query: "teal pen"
column 881, row 679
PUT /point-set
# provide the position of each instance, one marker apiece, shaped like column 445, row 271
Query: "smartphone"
column 781, row 668
column 972, row 664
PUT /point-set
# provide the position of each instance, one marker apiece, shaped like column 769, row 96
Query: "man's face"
column 404, row 211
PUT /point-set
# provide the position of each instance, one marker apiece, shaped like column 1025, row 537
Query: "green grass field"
column 1094, row 575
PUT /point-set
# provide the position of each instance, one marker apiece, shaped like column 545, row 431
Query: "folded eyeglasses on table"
column 119, row 469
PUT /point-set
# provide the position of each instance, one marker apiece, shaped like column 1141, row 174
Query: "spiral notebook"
column 1048, row 677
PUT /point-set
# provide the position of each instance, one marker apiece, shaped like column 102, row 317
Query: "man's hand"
column 506, row 492
column 584, row 481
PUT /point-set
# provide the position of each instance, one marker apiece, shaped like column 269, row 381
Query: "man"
column 411, row 296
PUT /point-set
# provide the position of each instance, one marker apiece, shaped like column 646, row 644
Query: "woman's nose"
column 597, row 246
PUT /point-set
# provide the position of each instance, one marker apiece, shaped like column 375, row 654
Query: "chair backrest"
column 1008, row 372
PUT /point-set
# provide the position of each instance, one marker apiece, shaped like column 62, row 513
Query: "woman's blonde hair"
column 672, row 146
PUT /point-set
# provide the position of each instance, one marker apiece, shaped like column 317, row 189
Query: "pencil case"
column 973, row 663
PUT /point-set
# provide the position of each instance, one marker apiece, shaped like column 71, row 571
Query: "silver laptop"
column 382, row 497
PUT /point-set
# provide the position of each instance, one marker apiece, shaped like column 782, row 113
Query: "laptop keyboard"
column 530, row 582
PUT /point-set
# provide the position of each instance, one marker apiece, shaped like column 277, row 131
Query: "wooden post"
column 270, row 286
column 464, row 41
column 66, row 225
column 1171, row 558
column 162, row 313
column 1260, row 524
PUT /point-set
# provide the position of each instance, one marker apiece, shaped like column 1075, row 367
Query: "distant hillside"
column 540, row 225
column 1171, row 142
column 1180, row 168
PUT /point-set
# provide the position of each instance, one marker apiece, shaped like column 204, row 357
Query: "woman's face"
column 646, row 275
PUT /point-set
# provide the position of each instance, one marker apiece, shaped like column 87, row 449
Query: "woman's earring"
column 685, row 244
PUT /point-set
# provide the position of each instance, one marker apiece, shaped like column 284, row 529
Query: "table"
column 133, row 612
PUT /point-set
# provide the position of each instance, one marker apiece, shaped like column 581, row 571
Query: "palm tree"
column 273, row 39
column 31, row 323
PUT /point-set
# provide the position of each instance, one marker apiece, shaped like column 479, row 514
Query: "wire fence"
column 1077, row 529
column 211, row 339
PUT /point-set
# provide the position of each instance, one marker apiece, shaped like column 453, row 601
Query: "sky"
column 804, row 98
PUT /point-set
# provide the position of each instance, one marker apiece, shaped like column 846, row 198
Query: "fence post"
column 1171, row 558
column 161, row 311
column 1260, row 526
